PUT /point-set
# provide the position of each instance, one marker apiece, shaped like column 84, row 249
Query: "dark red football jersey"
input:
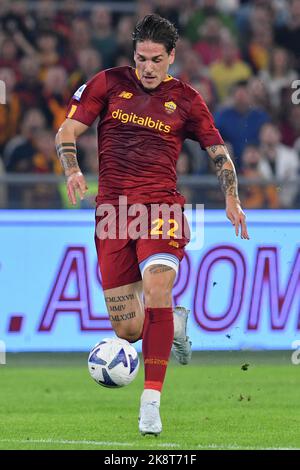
column 140, row 133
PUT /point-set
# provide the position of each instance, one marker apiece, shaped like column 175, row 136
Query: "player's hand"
column 76, row 184
column 237, row 217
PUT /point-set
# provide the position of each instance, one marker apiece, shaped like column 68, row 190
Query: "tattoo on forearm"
column 67, row 154
column 213, row 148
column 69, row 161
column 219, row 162
column 227, row 177
column 125, row 316
column 63, row 145
column 228, row 182
column 159, row 268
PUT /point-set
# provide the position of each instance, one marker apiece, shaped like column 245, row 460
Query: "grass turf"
column 48, row 401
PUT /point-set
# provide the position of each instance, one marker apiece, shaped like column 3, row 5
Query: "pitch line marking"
column 156, row 444
column 64, row 441
column 83, row 442
column 237, row 447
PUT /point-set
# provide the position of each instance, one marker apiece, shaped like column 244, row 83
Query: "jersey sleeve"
column 200, row 125
column 89, row 100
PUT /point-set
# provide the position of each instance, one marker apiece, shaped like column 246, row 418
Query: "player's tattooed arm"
column 65, row 142
column 228, row 181
column 225, row 170
column 67, row 154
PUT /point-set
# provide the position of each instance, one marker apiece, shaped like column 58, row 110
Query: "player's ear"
column 172, row 56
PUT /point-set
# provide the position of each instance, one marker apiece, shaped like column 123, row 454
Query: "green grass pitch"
column 48, row 401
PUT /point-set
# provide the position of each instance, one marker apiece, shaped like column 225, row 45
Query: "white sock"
column 150, row 395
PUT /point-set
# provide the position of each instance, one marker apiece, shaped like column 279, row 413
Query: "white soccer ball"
column 113, row 362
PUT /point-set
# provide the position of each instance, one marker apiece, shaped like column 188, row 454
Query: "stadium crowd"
column 242, row 56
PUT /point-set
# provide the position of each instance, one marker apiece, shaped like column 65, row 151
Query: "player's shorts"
column 124, row 241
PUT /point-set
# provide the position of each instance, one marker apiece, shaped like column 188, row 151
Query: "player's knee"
column 130, row 332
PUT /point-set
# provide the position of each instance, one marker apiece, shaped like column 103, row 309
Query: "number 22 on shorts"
column 157, row 229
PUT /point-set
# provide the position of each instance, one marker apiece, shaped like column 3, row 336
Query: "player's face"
column 152, row 63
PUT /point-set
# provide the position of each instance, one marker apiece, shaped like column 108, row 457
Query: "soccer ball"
column 113, row 362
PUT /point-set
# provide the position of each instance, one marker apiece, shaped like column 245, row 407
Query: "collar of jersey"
column 169, row 77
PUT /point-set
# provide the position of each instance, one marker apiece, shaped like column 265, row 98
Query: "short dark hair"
column 157, row 29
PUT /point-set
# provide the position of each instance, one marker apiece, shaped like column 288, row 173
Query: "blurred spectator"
column 9, row 113
column 256, row 196
column 290, row 125
column 45, row 160
column 209, row 45
column 191, row 68
column 45, row 15
column 62, row 22
column 124, row 32
column 56, row 94
column 260, row 16
column 103, row 36
column 89, row 64
column 259, row 13
column 259, row 47
column 288, row 36
column 259, row 96
column 278, row 75
column 240, row 123
column 230, row 69
column 229, row 6
column 204, row 9
column 52, row 51
column 29, row 89
column 183, row 47
column 168, row 9
column 18, row 156
column 21, row 148
column 49, row 53
column 279, row 161
column 81, row 35
column 17, row 23
column 9, row 54
column 207, row 90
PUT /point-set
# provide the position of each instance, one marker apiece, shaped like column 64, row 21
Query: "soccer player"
column 144, row 116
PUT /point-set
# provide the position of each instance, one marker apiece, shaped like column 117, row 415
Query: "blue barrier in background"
column 242, row 294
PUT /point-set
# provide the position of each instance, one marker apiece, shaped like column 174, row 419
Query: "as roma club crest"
column 170, row 107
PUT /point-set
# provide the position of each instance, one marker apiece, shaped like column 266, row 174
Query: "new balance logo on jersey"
column 140, row 120
column 126, row 94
